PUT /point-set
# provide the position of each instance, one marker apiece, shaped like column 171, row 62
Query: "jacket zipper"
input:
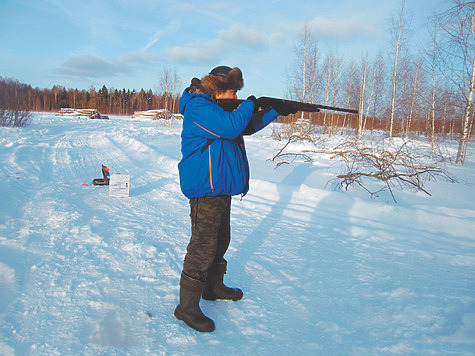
column 210, row 169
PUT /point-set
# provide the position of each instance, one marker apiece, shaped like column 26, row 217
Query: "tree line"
column 19, row 96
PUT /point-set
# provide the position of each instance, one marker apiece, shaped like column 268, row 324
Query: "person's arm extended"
column 261, row 119
column 211, row 121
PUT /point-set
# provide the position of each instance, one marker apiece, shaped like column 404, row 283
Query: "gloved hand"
column 255, row 101
column 284, row 109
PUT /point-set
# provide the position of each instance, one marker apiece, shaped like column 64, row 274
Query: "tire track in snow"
column 50, row 229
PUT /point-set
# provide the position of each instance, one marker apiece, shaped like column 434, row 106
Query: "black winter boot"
column 189, row 308
column 215, row 288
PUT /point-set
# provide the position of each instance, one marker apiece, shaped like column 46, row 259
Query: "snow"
column 324, row 271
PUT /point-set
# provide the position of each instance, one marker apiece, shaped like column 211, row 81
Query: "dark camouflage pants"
column 210, row 234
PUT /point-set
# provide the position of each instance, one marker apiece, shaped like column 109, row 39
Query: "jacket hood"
column 218, row 80
column 186, row 97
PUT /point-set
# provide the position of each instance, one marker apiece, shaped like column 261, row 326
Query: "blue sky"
column 129, row 43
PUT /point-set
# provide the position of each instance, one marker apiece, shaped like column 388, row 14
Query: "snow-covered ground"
column 324, row 271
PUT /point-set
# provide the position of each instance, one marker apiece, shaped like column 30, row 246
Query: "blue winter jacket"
column 214, row 160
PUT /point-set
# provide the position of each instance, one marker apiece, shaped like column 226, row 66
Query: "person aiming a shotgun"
column 213, row 168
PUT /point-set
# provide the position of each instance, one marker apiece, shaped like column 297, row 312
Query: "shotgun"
column 290, row 105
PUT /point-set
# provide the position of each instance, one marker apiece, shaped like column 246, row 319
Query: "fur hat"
column 220, row 79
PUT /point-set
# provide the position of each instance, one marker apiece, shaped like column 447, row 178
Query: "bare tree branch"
column 366, row 164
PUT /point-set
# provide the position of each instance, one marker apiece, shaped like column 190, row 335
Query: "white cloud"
column 240, row 34
column 202, row 11
column 92, row 66
column 95, row 18
column 156, row 36
column 195, row 52
column 340, row 29
column 236, row 37
column 143, row 58
column 170, row 28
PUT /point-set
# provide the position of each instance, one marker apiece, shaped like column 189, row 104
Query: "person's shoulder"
column 188, row 100
column 199, row 100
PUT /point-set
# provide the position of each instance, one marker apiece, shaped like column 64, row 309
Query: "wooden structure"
column 88, row 113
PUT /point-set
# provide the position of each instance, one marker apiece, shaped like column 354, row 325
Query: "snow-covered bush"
column 15, row 118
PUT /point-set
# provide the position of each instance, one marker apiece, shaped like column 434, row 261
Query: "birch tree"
column 349, row 85
column 398, row 28
column 456, row 50
column 371, row 95
column 378, row 89
column 331, row 70
column 432, row 145
column 167, row 87
column 414, row 96
column 364, row 67
column 304, row 77
column 336, row 87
